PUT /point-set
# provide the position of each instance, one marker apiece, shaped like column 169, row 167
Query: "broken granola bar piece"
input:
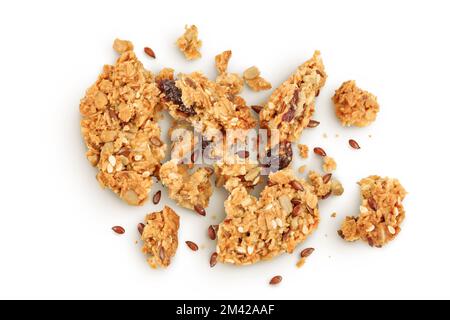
column 291, row 105
column 354, row 106
column 252, row 77
column 120, row 129
column 381, row 212
column 285, row 214
column 329, row 164
column 189, row 43
column 195, row 99
column 189, row 190
column 160, row 237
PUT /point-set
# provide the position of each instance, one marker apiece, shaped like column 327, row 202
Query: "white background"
column 55, row 221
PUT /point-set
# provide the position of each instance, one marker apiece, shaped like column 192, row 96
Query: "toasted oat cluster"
column 381, row 212
column 354, row 106
column 189, row 43
column 222, row 61
column 285, row 214
column 120, row 129
column 291, row 105
column 253, row 79
column 231, row 82
column 189, row 190
column 195, row 99
column 303, row 150
column 160, row 237
column 329, row 164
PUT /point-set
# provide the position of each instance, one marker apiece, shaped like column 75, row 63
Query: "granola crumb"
column 301, row 262
column 325, row 135
column 222, row 61
column 252, row 77
column 303, row 149
column 333, row 215
column 189, row 43
column 381, row 212
column 329, row 164
column 122, row 46
column 354, row 106
column 336, row 135
column 160, row 237
column 302, row 169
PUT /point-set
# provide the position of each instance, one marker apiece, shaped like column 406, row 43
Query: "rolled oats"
column 354, row 106
column 120, row 113
column 378, row 222
column 160, row 237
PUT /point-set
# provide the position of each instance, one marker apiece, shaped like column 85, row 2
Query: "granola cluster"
column 189, row 43
column 329, row 164
column 189, row 190
column 160, row 237
column 354, row 106
column 253, row 79
column 120, row 129
column 285, row 214
column 291, row 105
column 381, row 212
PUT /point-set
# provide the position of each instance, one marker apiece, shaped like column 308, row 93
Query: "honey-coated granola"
column 291, row 105
column 189, row 43
column 160, row 237
column 381, row 212
column 354, row 106
column 120, row 129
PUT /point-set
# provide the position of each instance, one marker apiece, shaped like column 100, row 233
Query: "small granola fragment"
column 188, row 190
column 329, row 164
column 324, row 186
column 222, row 61
column 302, row 169
column 119, row 125
column 189, row 43
column 381, row 212
column 354, row 106
column 303, row 150
column 285, row 214
column 252, row 77
column 160, row 237
column 291, row 105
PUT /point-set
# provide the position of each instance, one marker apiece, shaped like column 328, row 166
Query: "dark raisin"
column 173, row 94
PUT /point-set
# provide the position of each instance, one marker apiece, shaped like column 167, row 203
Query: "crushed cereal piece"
column 188, row 190
column 381, row 212
column 120, row 113
column 222, row 61
column 260, row 229
column 354, row 106
column 189, row 43
column 122, row 46
column 303, row 150
column 291, row 105
column 302, row 169
column 329, row 164
column 160, row 237
column 252, row 77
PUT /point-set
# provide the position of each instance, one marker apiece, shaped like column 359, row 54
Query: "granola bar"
column 291, row 105
column 259, row 229
column 196, row 99
column 120, row 129
column 354, row 106
column 381, row 212
column 189, row 190
column 189, row 43
column 160, row 237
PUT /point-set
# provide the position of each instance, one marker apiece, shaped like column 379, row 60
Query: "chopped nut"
column 251, row 73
